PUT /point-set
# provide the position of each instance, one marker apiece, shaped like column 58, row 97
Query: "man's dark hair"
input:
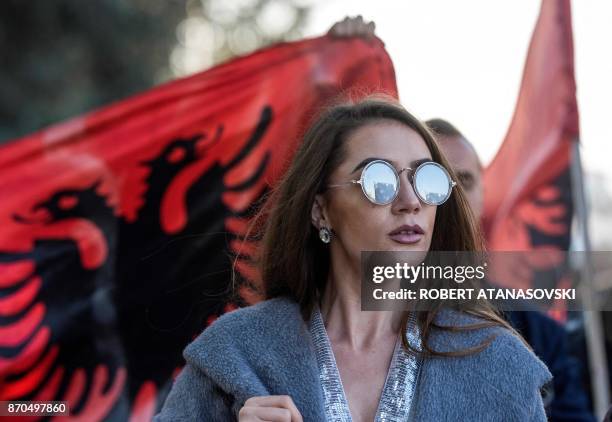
column 443, row 128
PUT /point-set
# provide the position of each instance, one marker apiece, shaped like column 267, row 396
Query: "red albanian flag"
column 118, row 228
column 528, row 202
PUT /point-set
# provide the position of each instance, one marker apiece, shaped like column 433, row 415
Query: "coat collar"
column 248, row 352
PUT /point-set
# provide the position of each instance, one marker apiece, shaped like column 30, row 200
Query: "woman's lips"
column 406, row 238
column 407, row 234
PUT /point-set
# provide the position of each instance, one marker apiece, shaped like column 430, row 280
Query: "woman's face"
column 404, row 225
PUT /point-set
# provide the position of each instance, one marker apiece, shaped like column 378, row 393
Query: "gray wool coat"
column 265, row 349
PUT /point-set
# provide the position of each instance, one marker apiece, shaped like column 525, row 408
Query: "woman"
column 309, row 352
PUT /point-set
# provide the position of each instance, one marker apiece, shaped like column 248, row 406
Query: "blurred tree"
column 65, row 57
column 216, row 30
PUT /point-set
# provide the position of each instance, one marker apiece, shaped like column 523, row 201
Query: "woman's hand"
column 269, row 408
column 353, row 27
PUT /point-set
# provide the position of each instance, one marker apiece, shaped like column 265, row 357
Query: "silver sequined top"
column 400, row 384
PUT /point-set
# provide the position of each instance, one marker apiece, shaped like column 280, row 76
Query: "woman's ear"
column 318, row 212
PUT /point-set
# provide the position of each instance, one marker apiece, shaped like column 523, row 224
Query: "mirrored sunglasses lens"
column 432, row 184
column 380, row 183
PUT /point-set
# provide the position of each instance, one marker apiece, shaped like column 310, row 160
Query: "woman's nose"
column 407, row 199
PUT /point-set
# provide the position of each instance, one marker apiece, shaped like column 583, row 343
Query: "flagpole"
column 592, row 318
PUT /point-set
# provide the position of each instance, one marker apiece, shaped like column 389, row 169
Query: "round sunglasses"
column 380, row 182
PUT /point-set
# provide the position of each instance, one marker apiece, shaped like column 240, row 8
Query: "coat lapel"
column 263, row 349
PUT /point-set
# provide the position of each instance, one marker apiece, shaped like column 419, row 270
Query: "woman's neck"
column 344, row 320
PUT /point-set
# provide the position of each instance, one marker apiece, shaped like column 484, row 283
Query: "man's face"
column 466, row 165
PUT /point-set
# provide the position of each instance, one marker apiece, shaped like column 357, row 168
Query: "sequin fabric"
column 400, row 384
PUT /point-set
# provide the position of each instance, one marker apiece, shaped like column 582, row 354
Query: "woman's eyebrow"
column 365, row 162
column 420, row 161
column 413, row 164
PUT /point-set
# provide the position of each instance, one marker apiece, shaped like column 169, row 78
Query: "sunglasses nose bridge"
column 406, row 190
column 409, row 174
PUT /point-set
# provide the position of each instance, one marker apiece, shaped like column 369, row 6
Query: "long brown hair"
column 293, row 262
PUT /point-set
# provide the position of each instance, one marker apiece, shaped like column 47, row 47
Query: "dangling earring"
column 325, row 234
